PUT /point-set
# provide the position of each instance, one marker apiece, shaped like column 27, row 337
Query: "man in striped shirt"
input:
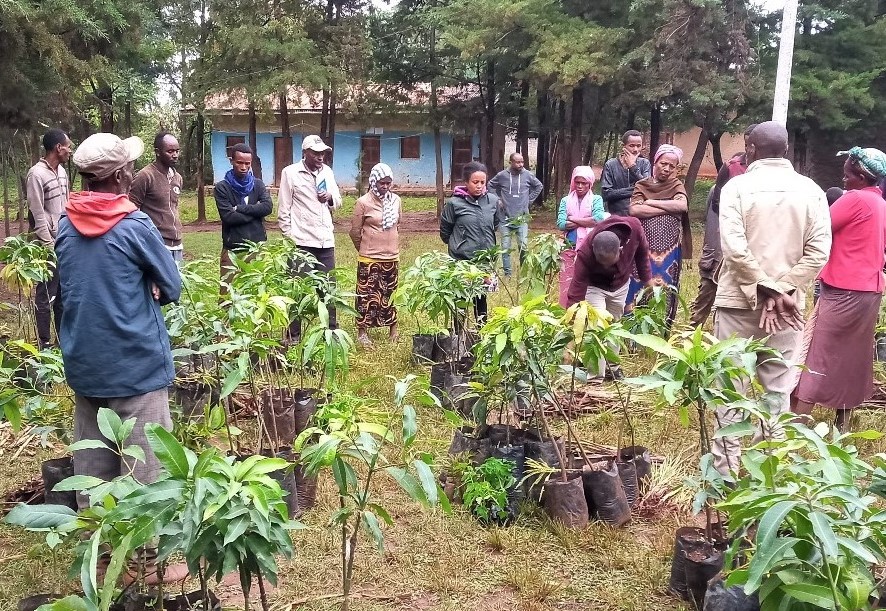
column 47, row 192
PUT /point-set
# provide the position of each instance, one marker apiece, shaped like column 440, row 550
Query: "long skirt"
column 376, row 282
column 664, row 234
column 839, row 364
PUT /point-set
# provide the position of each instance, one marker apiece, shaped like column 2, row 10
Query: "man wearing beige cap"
column 115, row 274
column 308, row 195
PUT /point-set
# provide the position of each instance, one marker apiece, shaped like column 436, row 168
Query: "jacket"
column 635, row 252
column 242, row 221
column 468, row 225
column 302, row 217
column 775, row 230
column 113, row 338
column 47, row 192
column 617, row 184
column 516, row 191
column 155, row 191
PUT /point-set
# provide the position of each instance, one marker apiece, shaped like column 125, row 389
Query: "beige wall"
column 730, row 144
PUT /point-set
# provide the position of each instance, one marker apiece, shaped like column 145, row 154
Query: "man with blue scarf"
column 243, row 203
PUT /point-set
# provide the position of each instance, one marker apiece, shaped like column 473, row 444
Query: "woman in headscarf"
column 374, row 231
column 839, row 363
column 661, row 204
column 578, row 212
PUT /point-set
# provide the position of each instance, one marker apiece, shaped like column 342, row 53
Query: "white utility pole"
column 785, row 62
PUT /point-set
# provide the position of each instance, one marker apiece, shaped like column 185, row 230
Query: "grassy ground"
column 434, row 561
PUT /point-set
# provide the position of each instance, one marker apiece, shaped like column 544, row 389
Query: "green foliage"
column 806, row 523
column 26, row 262
column 650, row 316
column 485, row 488
column 541, row 265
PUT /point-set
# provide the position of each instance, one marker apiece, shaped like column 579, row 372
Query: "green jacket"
column 468, row 225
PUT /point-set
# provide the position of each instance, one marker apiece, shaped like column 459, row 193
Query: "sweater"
column 635, row 251
column 468, row 224
column 858, row 223
column 302, row 217
column 366, row 232
column 516, row 191
column 113, row 338
column 47, row 192
column 243, row 219
column 155, row 191
column 618, row 183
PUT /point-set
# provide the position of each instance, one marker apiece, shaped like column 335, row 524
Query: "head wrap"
column 664, row 149
column 574, row 204
column 871, row 161
column 389, row 213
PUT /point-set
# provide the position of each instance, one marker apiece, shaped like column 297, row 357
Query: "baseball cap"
column 315, row 143
column 100, row 155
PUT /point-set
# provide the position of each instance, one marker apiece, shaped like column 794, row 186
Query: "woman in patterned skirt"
column 374, row 231
column 661, row 204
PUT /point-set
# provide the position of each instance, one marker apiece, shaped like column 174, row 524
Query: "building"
column 369, row 128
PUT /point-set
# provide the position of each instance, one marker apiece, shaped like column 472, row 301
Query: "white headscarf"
column 389, row 212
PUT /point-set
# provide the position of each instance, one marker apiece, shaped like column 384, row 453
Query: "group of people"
column 769, row 235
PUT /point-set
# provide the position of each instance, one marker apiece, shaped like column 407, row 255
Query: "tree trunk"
column 4, row 159
column 253, row 140
column 284, row 116
column 329, row 139
column 575, row 127
column 588, row 158
column 105, row 96
column 543, row 153
column 654, row 129
column 488, row 157
column 523, row 123
column 695, row 164
column 561, row 152
column 435, row 119
column 127, row 117
column 718, row 152
column 632, row 120
column 201, row 195
column 609, row 144
column 324, row 112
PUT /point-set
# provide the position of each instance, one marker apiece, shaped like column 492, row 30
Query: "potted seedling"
column 486, row 489
column 806, row 523
column 541, row 265
column 358, row 452
column 697, row 374
column 26, row 262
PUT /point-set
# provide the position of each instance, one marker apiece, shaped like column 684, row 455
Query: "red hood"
column 94, row 214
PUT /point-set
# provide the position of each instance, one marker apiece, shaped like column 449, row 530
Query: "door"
column 370, row 154
column 282, row 156
column 231, row 142
column 462, row 153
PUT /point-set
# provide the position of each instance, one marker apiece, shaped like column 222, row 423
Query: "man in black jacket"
column 620, row 173
column 243, row 202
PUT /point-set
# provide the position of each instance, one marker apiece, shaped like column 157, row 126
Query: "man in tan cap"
column 115, row 274
column 308, row 195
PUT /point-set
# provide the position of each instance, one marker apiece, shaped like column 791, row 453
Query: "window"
column 231, row 142
column 410, row 147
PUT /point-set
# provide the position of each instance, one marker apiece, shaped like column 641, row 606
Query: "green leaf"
column 135, row 452
column 232, row 381
column 168, row 450
column 371, row 524
column 410, row 425
column 236, row 528
column 765, row 560
column 737, row 429
column 88, row 444
column 40, row 516
column 408, row 483
column 68, row 603
column 770, row 523
column 77, row 483
column 818, row 596
column 822, row 528
column 109, row 424
column 428, row 481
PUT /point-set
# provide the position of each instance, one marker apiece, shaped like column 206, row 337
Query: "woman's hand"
column 570, row 225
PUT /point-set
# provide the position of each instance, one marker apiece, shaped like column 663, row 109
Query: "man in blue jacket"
column 516, row 188
column 115, row 274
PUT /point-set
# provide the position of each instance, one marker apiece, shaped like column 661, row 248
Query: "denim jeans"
column 507, row 231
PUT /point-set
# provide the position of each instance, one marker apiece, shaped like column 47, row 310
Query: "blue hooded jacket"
column 112, row 334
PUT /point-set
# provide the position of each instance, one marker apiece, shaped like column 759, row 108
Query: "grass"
column 434, row 561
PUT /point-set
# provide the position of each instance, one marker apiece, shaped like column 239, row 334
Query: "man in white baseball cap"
column 115, row 274
column 308, row 195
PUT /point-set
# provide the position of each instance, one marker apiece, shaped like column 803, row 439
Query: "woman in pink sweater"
column 838, row 369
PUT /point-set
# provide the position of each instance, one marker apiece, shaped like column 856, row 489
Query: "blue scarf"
column 244, row 187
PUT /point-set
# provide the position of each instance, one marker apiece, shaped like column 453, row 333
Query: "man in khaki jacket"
column 308, row 195
column 775, row 231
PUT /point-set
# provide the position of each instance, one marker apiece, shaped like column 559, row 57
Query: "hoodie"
column 516, row 191
column 113, row 337
column 468, row 224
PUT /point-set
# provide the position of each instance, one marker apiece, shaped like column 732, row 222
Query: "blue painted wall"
column 416, row 173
